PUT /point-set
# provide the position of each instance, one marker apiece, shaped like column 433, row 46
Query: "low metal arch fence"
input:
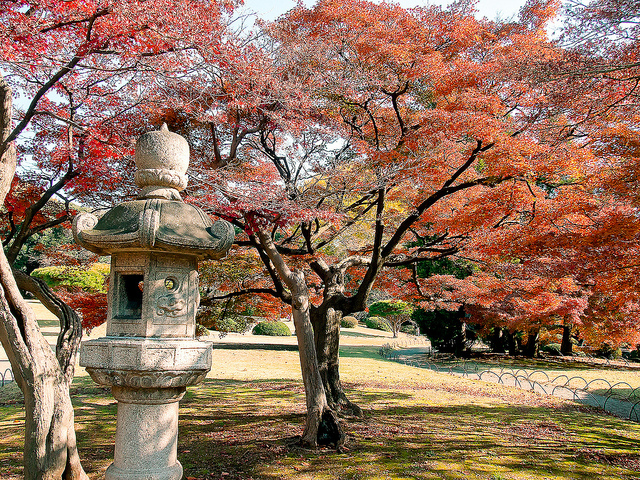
column 576, row 387
column 6, row 377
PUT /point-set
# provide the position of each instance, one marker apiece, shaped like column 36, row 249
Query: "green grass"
column 418, row 425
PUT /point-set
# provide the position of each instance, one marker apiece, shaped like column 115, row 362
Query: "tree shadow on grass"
column 242, row 429
column 361, row 352
column 247, row 437
column 345, row 333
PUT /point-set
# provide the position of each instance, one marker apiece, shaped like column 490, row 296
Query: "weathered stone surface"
column 153, row 295
column 162, row 158
column 158, row 224
column 150, row 355
column 144, row 354
column 146, row 442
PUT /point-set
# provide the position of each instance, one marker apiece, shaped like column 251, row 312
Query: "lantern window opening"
column 131, row 291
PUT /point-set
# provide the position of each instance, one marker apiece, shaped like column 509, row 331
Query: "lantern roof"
column 158, row 219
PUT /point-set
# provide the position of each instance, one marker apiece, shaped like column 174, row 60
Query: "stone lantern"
column 150, row 353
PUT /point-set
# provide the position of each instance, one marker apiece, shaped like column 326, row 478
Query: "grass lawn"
column 418, row 425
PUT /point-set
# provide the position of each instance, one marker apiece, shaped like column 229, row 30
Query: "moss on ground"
column 418, row 425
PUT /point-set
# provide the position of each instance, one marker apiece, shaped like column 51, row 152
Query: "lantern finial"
column 162, row 158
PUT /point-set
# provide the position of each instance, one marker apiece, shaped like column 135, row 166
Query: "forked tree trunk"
column 50, row 451
column 322, row 426
column 326, row 327
column 326, row 321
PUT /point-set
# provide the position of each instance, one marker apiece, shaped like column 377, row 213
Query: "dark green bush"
column 274, row 329
column 409, row 328
column 212, row 319
column 91, row 279
column 377, row 323
column 349, row 322
column 447, row 330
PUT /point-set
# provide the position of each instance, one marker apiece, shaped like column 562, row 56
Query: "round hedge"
column 377, row 323
column 274, row 329
column 349, row 322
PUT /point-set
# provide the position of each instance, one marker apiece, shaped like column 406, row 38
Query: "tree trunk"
column 326, row 327
column 395, row 326
column 70, row 323
column 50, row 450
column 498, row 340
column 50, row 444
column 322, row 426
column 566, row 347
column 512, row 342
column 460, row 341
column 533, row 344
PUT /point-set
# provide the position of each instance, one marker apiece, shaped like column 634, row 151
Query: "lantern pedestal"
column 146, row 435
column 148, row 377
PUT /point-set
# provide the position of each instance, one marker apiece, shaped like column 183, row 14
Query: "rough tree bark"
column 326, row 326
column 322, row 426
column 50, row 450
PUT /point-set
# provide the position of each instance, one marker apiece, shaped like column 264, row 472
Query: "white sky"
column 270, row 9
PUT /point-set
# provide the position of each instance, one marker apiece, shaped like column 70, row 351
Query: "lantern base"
column 171, row 473
column 146, row 434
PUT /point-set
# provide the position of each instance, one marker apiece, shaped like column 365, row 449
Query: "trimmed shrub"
column 390, row 308
column 377, row 323
column 349, row 322
column 91, row 279
column 274, row 329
